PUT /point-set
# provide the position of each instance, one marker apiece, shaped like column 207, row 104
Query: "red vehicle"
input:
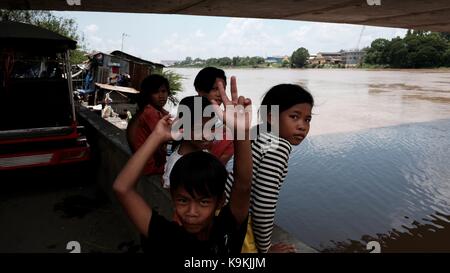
column 38, row 125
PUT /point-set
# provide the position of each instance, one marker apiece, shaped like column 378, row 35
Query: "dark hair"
column 200, row 173
column 189, row 102
column 286, row 96
column 151, row 85
column 205, row 79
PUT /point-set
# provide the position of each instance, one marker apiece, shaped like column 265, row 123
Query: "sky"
column 157, row 37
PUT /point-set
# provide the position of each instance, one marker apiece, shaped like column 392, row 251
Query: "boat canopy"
column 25, row 36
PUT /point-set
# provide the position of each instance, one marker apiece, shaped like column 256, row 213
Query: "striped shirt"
column 270, row 155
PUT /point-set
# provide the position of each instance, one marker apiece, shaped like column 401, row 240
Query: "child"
column 154, row 93
column 185, row 146
column 270, row 160
column 197, row 187
column 206, row 84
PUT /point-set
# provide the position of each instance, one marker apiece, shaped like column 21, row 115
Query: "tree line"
column 298, row 58
column 224, row 61
column 418, row 49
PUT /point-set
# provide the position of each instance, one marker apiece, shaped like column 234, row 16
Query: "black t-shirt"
column 165, row 236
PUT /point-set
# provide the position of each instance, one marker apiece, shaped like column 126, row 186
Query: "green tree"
column 255, row 60
column 445, row 35
column 446, row 58
column 243, row 61
column 426, row 49
column 235, row 61
column 78, row 56
column 211, row 62
column 396, row 53
column 225, row 61
column 186, row 62
column 427, row 56
column 45, row 19
column 377, row 53
column 299, row 57
column 198, row 61
column 175, row 82
column 417, row 49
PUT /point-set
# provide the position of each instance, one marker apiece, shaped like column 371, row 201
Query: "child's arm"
column 237, row 116
column 242, row 169
column 124, row 185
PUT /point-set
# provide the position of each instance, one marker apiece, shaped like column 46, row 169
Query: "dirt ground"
column 41, row 211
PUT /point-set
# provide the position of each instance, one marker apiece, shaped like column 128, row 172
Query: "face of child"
column 159, row 98
column 214, row 93
column 194, row 213
column 295, row 122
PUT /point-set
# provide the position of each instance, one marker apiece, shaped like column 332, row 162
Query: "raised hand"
column 163, row 130
column 237, row 113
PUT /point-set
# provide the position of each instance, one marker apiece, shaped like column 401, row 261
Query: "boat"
column 38, row 124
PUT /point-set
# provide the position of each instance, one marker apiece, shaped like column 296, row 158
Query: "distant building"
column 272, row 60
column 116, row 76
column 311, row 58
column 331, row 57
column 327, row 58
column 348, row 58
column 199, row 62
column 110, row 66
column 352, row 58
column 276, row 59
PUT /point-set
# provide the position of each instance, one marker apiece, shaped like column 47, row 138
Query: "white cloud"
column 199, row 33
column 96, row 42
column 246, row 37
column 92, row 28
column 241, row 37
column 93, row 40
column 178, row 47
column 318, row 37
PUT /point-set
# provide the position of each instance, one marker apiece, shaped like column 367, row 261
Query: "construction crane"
column 356, row 49
column 123, row 36
column 360, row 36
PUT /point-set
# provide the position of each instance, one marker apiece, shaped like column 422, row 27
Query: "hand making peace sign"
column 237, row 114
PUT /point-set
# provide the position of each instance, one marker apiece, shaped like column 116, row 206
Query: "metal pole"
column 123, row 36
column 121, row 49
column 69, row 82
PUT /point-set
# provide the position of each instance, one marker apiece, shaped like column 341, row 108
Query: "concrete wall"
column 110, row 153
